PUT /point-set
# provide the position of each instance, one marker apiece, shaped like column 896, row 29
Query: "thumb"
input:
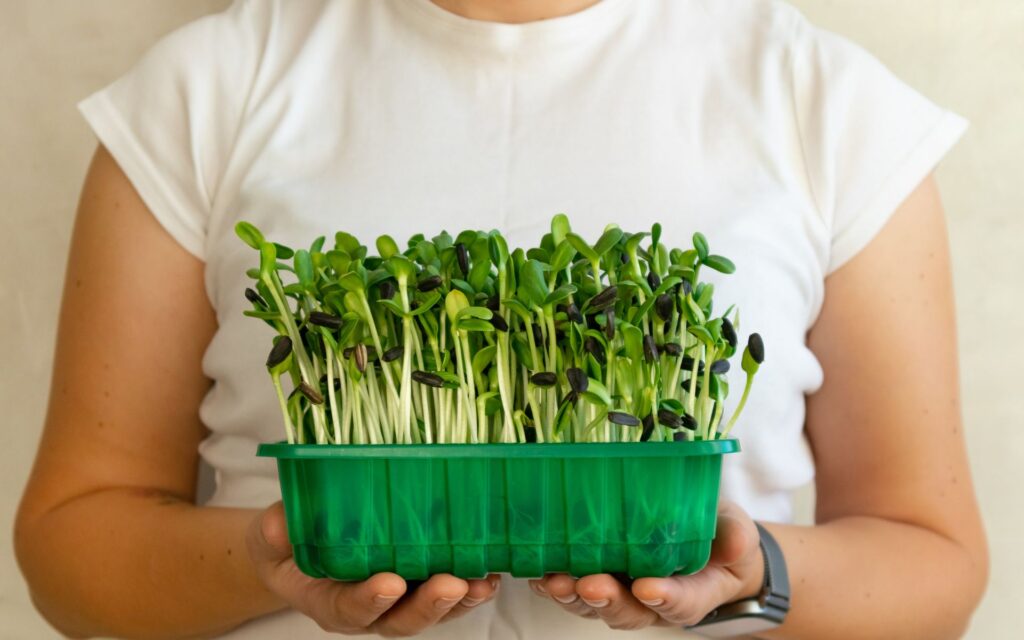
column 268, row 536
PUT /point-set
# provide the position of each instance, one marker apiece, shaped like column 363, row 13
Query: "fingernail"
column 471, row 602
column 569, row 599
column 444, row 604
column 653, row 603
column 384, row 600
column 596, row 604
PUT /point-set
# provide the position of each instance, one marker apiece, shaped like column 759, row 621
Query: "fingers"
column 562, row 589
column 734, row 571
column 614, row 603
column 736, row 537
column 267, row 537
column 478, row 593
column 425, row 606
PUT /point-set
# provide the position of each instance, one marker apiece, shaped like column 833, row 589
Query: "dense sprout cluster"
column 460, row 340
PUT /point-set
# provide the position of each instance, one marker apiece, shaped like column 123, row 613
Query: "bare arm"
column 898, row 550
column 108, row 535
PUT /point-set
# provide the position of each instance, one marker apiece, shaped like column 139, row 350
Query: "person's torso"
column 392, row 116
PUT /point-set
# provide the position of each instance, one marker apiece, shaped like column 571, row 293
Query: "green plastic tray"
column 642, row 509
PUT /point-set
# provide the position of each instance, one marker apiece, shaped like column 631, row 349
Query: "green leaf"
column 611, row 236
column 483, row 358
column 304, row 270
column 522, row 350
column 720, row 263
column 283, row 252
column 478, row 275
column 655, row 234
column 498, row 249
column 582, row 247
column 702, row 334
column 561, row 293
column 268, row 259
column 694, row 314
column 401, row 267
column 597, row 393
column 700, row 244
column 427, row 302
column 393, row 306
column 634, row 341
column 317, row 245
column 347, row 243
column 249, row 234
column 673, row 405
column 472, row 324
column 633, row 242
column 352, row 282
column 454, row 303
column 463, row 286
column 518, row 308
column 339, row 261
column 480, row 313
column 559, row 228
column 532, row 283
column 563, row 256
column 386, row 246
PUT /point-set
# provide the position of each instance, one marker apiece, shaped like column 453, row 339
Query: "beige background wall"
column 965, row 54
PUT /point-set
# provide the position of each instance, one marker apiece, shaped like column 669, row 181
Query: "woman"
column 793, row 150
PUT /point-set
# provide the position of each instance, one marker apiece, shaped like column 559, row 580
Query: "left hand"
column 734, row 572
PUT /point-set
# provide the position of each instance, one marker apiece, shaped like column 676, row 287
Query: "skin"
column 898, row 553
column 115, row 472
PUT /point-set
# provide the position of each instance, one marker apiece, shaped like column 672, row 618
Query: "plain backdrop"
column 965, row 54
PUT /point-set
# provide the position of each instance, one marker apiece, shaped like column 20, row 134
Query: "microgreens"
column 459, row 340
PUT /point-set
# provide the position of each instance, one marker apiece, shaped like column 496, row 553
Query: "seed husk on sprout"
column 544, row 379
column 255, row 298
column 623, row 418
column 479, row 342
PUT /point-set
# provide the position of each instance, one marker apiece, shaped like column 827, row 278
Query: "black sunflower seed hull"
column 255, row 298
column 427, row 378
column 729, row 332
column 392, row 354
column 321, row 319
column 494, row 303
column 429, row 284
column 720, row 366
column 281, row 349
column 679, row 436
column 538, row 336
column 577, row 378
column 648, row 423
column 669, row 419
column 653, row 281
column 609, row 324
column 623, row 418
column 688, row 422
column 664, row 305
column 756, row 346
column 499, row 323
column 463, row 257
column 544, row 379
column 672, row 348
column 311, row 394
column 386, row 290
column 573, row 313
column 604, row 299
column 650, row 349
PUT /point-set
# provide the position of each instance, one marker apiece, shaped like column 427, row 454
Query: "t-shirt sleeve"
column 171, row 121
column 868, row 138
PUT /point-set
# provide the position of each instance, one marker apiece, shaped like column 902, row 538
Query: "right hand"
column 376, row 605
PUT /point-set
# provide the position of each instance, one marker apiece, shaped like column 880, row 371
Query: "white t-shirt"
column 787, row 146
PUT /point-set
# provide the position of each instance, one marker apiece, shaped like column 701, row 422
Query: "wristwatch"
column 765, row 611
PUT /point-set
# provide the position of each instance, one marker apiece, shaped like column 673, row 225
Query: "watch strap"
column 775, row 590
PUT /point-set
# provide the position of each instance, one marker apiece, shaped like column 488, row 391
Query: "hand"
column 735, row 571
column 378, row 605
